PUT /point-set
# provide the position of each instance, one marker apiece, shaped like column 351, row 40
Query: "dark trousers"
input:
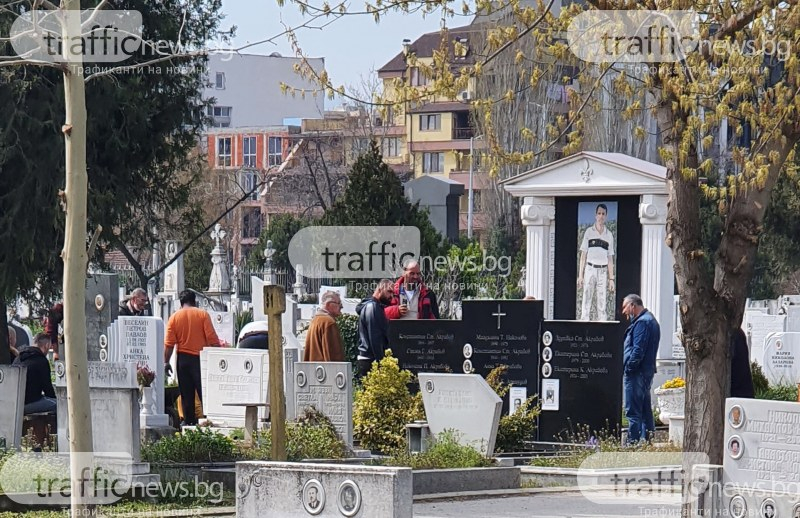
column 364, row 366
column 188, row 382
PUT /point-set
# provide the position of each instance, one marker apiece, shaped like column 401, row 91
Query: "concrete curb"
column 506, row 493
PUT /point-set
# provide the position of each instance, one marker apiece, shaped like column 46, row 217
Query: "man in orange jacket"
column 190, row 331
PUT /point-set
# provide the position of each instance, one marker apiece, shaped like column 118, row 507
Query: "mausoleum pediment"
column 591, row 173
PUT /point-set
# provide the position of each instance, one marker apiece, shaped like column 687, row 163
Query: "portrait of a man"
column 313, row 497
column 596, row 264
column 735, row 416
column 738, row 507
column 349, row 498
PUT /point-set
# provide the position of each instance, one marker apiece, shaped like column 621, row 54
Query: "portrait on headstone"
column 550, row 389
column 349, row 498
column 736, row 416
column 596, row 286
column 796, row 511
column 768, row 508
column 735, row 447
column 547, row 370
column 313, row 497
column 738, row 507
column 547, row 354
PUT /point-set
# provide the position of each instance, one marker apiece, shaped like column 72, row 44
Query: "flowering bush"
column 144, row 376
column 674, row 383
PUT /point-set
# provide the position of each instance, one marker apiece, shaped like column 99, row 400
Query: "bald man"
column 411, row 299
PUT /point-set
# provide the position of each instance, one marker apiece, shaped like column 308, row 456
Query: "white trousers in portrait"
column 595, row 285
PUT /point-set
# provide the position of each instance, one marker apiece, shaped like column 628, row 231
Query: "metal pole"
column 469, row 200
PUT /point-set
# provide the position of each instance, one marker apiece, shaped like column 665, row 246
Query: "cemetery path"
column 554, row 505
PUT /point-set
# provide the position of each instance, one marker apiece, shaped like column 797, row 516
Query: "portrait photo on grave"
column 736, row 416
column 768, row 508
column 796, row 511
column 738, row 507
column 349, row 498
column 596, row 285
column 735, row 447
column 313, row 497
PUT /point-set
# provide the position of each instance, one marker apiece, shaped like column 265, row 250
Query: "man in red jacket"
column 411, row 299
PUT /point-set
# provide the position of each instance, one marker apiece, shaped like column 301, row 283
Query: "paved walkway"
column 570, row 504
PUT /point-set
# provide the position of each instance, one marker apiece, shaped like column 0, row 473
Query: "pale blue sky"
column 351, row 45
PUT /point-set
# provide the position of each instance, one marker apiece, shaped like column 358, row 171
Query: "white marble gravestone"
column 328, row 387
column 224, row 325
column 296, row 490
column 793, row 318
column 782, row 359
column 12, row 404
column 140, row 340
column 757, row 327
column 257, row 296
column 114, row 396
column 233, row 376
column 761, row 457
column 464, row 403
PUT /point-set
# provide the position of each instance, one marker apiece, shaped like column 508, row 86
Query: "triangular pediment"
column 591, row 173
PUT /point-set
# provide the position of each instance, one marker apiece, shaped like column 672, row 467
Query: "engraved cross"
column 499, row 315
column 218, row 234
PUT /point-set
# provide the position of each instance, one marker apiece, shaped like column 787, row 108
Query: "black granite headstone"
column 586, row 359
column 426, row 345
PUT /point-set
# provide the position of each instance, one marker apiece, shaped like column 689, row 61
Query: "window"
column 223, row 151
column 249, row 151
column 219, row 82
column 390, row 146
column 430, row 122
column 251, row 222
column 222, row 111
column 432, row 163
column 221, row 116
column 249, row 181
column 275, row 150
column 418, row 78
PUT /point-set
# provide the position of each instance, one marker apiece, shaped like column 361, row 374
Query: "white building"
column 247, row 90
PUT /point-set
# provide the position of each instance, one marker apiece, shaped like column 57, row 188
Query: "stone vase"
column 147, row 401
column 671, row 403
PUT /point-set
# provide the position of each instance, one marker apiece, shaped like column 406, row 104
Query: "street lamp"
column 470, row 198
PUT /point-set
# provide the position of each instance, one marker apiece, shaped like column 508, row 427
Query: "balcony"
column 463, row 133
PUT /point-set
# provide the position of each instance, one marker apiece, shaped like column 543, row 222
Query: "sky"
column 351, row 46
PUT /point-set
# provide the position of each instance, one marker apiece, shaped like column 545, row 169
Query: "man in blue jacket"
column 639, row 361
column 373, row 326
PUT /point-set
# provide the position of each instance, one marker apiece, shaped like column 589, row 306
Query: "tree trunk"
column 75, row 260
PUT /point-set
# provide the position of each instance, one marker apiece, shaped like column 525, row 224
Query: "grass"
column 133, row 508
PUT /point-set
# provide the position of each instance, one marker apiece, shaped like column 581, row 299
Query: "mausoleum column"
column 658, row 277
column 537, row 216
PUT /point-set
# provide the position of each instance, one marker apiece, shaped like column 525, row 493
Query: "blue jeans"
column 638, row 408
column 46, row 404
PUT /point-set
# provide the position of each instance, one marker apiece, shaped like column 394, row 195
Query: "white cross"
column 218, row 234
column 498, row 315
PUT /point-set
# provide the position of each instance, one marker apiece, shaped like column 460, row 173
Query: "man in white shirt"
column 596, row 274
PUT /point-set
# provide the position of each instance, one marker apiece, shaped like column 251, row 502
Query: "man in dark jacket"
column 639, row 363
column 372, row 327
column 135, row 305
column 39, row 393
column 411, row 299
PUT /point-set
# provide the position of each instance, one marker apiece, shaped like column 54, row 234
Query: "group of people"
column 406, row 298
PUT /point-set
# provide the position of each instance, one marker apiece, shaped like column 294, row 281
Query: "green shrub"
column 310, row 436
column 779, row 393
column 444, row 453
column 760, row 383
column 199, row 445
column 513, row 430
column 348, row 327
column 383, row 407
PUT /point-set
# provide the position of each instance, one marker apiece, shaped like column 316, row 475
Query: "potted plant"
column 671, row 399
column 145, row 378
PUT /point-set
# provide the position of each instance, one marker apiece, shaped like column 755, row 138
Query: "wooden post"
column 274, row 306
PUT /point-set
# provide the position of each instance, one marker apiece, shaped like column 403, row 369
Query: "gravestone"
column 291, row 355
column 12, row 404
column 782, row 359
column 174, row 273
column 328, row 387
column 758, row 326
column 233, row 376
column 761, row 460
column 793, row 319
column 464, row 403
column 296, row 490
column 491, row 333
column 585, row 368
column 102, row 308
column 114, row 399
column 224, row 325
column 140, row 340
